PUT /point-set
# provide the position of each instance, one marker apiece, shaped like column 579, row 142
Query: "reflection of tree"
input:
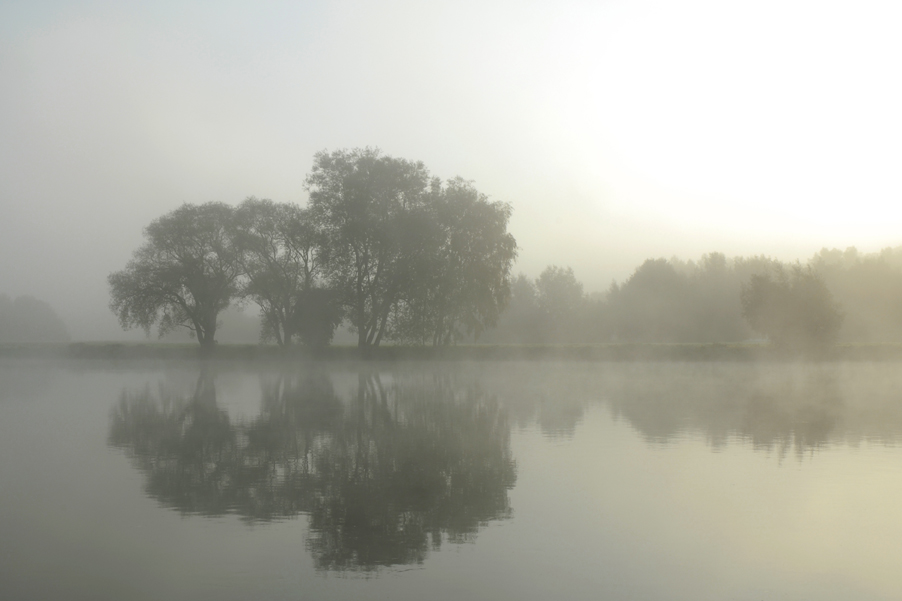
column 383, row 476
column 411, row 463
column 188, row 449
column 558, row 419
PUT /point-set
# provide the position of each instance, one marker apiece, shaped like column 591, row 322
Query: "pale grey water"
column 450, row 481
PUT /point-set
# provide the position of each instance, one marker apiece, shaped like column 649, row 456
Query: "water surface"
column 491, row 481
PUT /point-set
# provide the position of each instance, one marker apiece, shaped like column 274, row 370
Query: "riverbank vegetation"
column 837, row 297
column 395, row 255
column 164, row 352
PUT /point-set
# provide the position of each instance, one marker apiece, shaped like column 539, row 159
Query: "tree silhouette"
column 282, row 257
column 460, row 280
column 183, row 276
column 793, row 308
column 367, row 204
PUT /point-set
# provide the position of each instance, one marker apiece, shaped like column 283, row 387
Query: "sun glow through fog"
column 618, row 130
column 776, row 117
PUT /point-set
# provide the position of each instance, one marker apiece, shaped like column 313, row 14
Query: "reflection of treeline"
column 384, row 476
column 702, row 301
column 27, row 319
column 775, row 407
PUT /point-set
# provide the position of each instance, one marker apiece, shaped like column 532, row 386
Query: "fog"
column 618, row 131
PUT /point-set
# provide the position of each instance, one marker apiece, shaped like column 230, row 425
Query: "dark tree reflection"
column 411, row 464
column 384, row 476
column 188, row 448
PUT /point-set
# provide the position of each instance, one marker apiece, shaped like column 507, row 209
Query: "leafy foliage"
column 365, row 205
column 381, row 244
column 183, row 276
column 461, row 275
column 793, row 308
column 282, row 255
column 410, row 259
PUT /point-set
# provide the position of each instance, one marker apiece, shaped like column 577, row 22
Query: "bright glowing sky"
column 619, row 130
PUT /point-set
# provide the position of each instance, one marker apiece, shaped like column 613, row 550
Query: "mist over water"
column 205, row 207
column 494, row 480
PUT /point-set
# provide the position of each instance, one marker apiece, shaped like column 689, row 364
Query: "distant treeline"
column 843, row 296
column 27, row 319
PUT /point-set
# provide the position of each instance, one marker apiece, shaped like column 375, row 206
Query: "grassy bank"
column 579, row 352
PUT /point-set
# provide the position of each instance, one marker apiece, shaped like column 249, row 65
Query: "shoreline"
column 612, row 352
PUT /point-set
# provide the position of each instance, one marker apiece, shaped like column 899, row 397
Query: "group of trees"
column 714, row 299
column 397, row 253
column 662, row 301
column 793, row 308
column 868, row 287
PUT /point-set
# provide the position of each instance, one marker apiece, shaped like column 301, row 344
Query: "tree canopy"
column 461, row 275
column 793, row 308
column 183, row 276
column 410, row 258
column 367, row 205
column 396, row 252
column 281, row 253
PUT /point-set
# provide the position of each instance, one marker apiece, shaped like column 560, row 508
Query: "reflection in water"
column 388, row 468
column 774, row 408
column 383, row 476
column 783, row 408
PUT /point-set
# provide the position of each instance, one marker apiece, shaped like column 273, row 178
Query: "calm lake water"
column 450, row 481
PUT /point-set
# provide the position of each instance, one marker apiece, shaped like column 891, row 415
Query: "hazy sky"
column 618, row 130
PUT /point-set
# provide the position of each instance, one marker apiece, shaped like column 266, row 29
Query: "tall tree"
column 282, row 256
column 366, row 204
column 183, row 276
column 519, row 322
column 560, row 301
column 461, row 281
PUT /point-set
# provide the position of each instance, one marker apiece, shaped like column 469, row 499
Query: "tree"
column 869, row 287
column 366, row 205
column 652, row 305
column 521, row 321
column 560, row 301
column 282, row 258
column 183, row 276
column 317, row 315
column 27, row 319
column 461, row 277
column 794, row 309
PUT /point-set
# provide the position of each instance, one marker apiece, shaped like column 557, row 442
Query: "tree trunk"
column 206, row 346
column 206, row 338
